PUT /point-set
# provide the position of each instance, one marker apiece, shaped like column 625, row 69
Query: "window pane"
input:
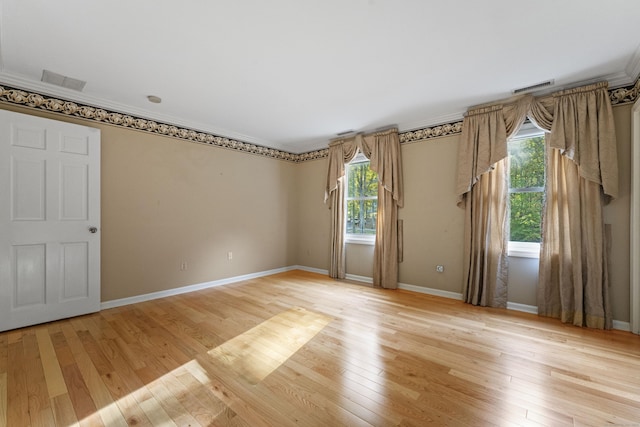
column 526, row 157
column 526, row 173
column 363, row 182
column 526, row 216
column 361, row 216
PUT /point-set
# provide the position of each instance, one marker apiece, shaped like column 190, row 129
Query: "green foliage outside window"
column 527, row 158
column 362, row 198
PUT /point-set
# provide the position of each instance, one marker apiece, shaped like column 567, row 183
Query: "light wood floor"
column 300, row 349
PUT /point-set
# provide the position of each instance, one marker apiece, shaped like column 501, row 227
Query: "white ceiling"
column 291, row 74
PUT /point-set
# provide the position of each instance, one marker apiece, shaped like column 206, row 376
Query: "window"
column 361, row 201
column 526, row 191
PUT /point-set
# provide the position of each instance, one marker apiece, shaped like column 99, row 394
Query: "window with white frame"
column 361, row 201
column 526, row 191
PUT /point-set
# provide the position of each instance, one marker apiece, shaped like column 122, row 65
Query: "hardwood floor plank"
column 94, row 352
column 241, row 355
column 99, row 392
column 156, row 413
column 63, row 413
column 3, row 399
column 126, row 398
column 171, row 405
column 37, row 385
column 50, row 364
column 17, row 393
column 81, row 400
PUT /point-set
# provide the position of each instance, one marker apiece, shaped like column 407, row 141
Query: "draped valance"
column 383, row 151
column 580, row 122
column 581, row 174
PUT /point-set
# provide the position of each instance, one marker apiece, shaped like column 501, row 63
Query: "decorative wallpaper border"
column 430, row 132
column 626, row 94
column 619, row 96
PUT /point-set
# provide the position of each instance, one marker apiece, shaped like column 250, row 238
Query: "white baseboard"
column 310, row 269
column 430, row 291
column 619, row 325
column 357, row 278
column 522, row 307
column 190, row 288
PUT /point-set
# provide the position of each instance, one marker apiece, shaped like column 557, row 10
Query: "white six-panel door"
column 49, row 220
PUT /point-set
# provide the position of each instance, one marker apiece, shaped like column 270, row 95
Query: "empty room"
column 319, row 213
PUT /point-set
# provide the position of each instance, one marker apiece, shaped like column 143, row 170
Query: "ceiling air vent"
column 63, row 81
column 533, row 87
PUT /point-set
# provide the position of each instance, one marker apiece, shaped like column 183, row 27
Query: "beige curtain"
column 582, row 176
column 340, row 152
column 482, row 188
column 383, row 151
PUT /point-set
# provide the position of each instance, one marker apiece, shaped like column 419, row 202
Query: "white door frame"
column 635, row 219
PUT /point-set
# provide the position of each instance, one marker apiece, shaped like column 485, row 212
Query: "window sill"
column 361, row 240
column 524, row 250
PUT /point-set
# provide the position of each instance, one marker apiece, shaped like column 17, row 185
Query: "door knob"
column 93, row 229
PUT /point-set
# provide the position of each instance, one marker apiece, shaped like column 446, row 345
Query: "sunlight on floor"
column 252, row 355
column 259, row 351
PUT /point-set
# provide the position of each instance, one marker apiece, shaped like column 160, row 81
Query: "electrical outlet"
column 440, row 268
column 229, row 256
column 183, row 266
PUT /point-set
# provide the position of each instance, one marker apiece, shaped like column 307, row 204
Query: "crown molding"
column 87, row 112
column 141, row 122
column 615, row 80
column 633, row 67
column 422, row 124
column 18, row 82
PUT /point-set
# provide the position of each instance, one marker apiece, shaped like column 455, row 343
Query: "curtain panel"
column 482, row 190
column 582, row 176
column 340, row 153
column 383, row 151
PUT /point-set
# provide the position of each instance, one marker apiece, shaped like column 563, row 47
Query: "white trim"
column 524, row 249
column 634, row 291
column 355, row 239
column 190, row 288
column 525, row 308
column 621, row 326
column 432, row 122
column 526, row 131
column 621, row 78
column 73, row 95
column 310, row 269
column 633, row 67
column 430, row 291
column 515, row 306
column 357, row 278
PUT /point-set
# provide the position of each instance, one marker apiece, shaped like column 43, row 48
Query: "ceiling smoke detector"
column 62, row 81
column 154, row 99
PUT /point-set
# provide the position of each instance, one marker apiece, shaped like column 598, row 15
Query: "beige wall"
column 617, row 214
column 313, row 220
column 433, row 224
column 165, row 201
